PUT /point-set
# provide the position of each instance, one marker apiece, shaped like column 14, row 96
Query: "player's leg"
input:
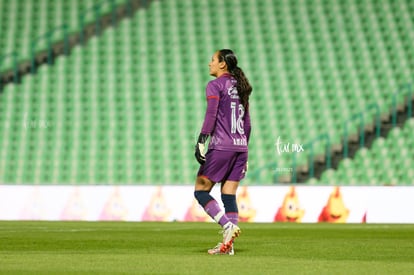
column 212, row 171
column 228, row 196
column 229, row 187
column 203, row 187
column 231, row 230
column 210, row 205
column 216, row 169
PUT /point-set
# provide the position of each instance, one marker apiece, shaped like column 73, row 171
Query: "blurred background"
column 112, row 92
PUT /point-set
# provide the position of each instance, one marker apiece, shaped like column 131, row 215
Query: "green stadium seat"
column 125, row 107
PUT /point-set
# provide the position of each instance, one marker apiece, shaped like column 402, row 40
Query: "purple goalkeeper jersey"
column 226, row 120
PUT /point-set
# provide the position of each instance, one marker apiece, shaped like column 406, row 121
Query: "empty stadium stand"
column 126, row 107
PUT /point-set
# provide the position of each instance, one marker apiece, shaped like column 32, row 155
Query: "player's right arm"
column 247, row 124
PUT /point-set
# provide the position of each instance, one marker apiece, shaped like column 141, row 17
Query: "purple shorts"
column 224, row 165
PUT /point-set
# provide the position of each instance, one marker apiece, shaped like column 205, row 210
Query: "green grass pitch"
column 180, row 248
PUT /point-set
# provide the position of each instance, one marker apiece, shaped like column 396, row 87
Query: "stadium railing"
column 48, row 37
column 408, row 88
column 15, row 66
column 96, row 9
column 361, row 117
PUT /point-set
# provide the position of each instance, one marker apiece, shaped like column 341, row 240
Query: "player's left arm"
column 211, row 115
column 213, row 98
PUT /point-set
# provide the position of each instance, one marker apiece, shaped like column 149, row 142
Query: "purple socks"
column 230, row 207
column 213, row 209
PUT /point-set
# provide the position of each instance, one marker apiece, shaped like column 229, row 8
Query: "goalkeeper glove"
column 199, row 149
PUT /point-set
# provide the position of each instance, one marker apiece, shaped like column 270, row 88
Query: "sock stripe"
column 218, row 216
column 208, row 203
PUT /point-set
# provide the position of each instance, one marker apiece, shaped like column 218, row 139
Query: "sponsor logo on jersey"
column 232, row 92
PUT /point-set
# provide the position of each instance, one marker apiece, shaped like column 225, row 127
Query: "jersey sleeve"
column 213, row 97
column 212, row 90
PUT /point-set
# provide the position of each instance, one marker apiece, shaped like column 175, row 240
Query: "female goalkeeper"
column 227, row 123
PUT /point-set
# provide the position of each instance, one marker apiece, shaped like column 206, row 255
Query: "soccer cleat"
column 231, row 231
column 217, row 250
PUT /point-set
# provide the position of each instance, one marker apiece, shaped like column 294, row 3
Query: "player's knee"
column 203, row 184
column 229, row 187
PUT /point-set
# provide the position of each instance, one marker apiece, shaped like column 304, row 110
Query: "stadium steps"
column 389, row 161
column 320, row 166
column 91, row 29
column 354, row 145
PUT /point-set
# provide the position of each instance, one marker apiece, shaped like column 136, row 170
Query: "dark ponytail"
column 244, row 88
